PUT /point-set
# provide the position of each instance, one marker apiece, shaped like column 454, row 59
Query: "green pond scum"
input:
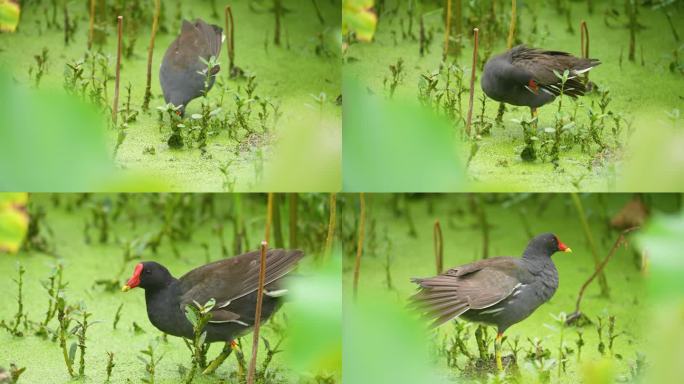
column 341, row 191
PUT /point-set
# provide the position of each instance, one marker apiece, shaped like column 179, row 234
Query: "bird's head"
column 148, row 274
column 546, row 244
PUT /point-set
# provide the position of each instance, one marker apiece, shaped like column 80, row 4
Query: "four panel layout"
column 341, row 191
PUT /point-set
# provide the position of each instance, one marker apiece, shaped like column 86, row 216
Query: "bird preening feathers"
column 530, row 77
column 182, row 72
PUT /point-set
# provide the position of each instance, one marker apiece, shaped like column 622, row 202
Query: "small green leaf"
column 72, row 352
column 191, row 315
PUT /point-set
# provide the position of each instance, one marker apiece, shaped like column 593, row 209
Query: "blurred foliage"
column 13, row 221
column 307, row 159
column 384, row 344
column 53, row 142
column 394, row 146
column 359, row 18
column 663, row 240
column 314, row 341
column 9, row 15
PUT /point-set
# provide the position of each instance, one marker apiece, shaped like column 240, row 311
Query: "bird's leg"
column 227, row 350
column 497, row 351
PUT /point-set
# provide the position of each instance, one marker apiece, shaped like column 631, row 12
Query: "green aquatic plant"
column 36, row 73
column 20, row 317
column 81, row 330
column 64, row 316
column 396, row 77
column 151, row 361
column 198, row 315
column 110, row 366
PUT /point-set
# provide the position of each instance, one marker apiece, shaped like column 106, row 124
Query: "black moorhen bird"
column 525, row 76
column 232, row 282
column 499, row 291
column 180, row 73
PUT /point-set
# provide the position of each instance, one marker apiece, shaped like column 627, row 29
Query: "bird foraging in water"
column 232, row 283
column 499, row 291
column 182, row 70
column 527, row 76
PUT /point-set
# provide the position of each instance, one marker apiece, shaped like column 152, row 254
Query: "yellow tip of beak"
column 125, row 288
column 568, row 250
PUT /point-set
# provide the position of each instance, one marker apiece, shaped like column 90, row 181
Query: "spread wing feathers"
column 542, row 64
column 473, row 286
column 209, row 281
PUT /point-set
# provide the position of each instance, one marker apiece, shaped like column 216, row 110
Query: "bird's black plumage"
column 180, row 72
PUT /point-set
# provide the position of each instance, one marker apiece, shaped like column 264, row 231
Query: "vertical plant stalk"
column 511, row 27
column 439, row 247
column 458, row 18
column 91, row 25
column 115, row 107
column 484, row 226
column 277, row 227
column 592, row 245
column 277, row 10
column 230, row 39
column 331, row 225
column 447, row 30
column 66, row 24
column 584, row 45
column 269, row 217
column 599, row 270
column 293, row 220
column 150, row 52
column 471, row 96
column 318, row 11
column 257, row 318
column 633, row 24
column 359, row 244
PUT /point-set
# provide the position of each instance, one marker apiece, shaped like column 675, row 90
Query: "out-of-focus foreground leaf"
column 384, row 344
column 314, row 341
column 394, row 146
column 663, row 242
column 9, row 15
column 53, row 142
column 13, row 221
column 358, row 17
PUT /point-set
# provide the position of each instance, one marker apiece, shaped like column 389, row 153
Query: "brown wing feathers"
column 542, row 65
column 473, row 286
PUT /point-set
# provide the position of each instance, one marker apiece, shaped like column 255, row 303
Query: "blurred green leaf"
column 358, row 17
column 663, row 240
column 9, row 15
column 13, row 221
column 315, row 320
column 393, row 146
column 384, row 344
column 53, row 142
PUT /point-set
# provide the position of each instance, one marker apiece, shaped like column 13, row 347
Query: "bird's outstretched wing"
column 478, row 285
